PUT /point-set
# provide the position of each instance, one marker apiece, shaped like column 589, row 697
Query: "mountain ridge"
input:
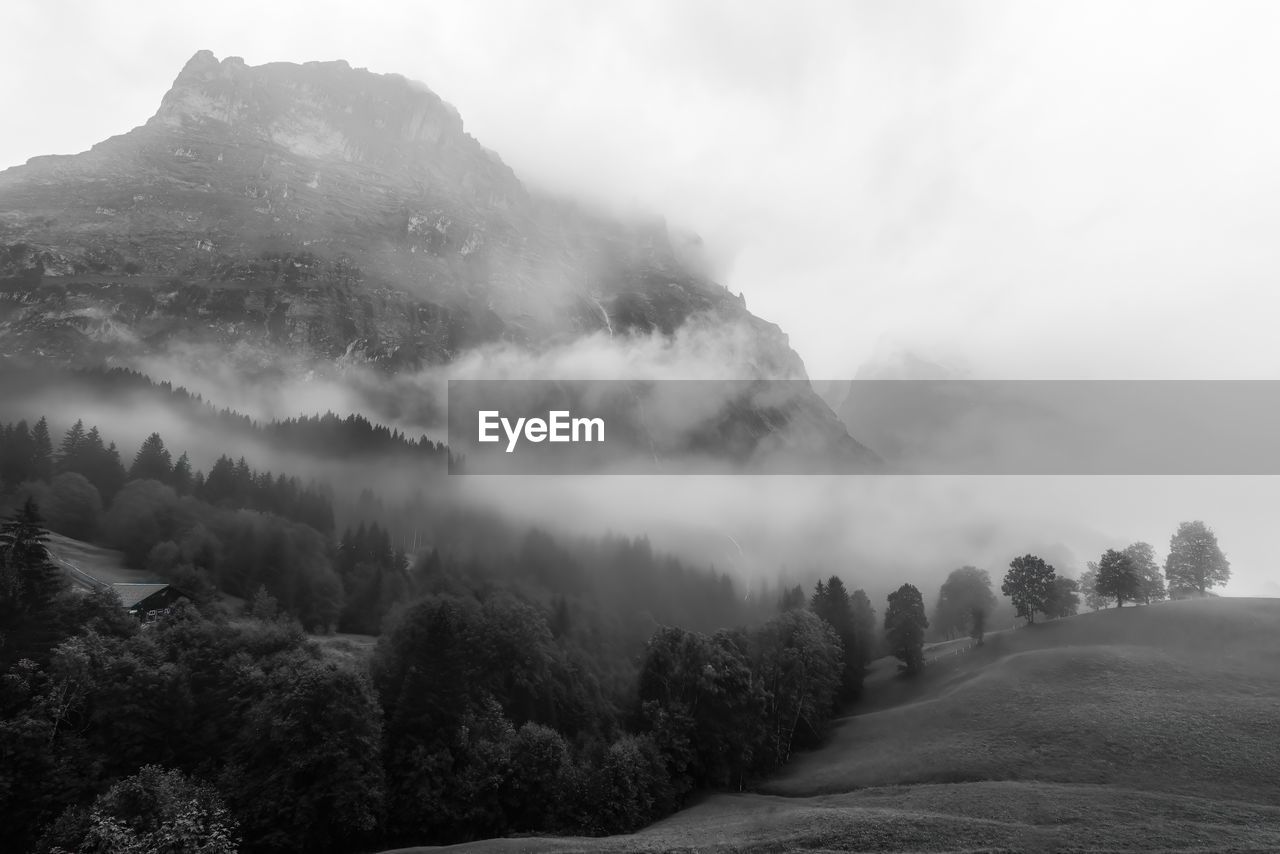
column 323, row 175
column 287, row 218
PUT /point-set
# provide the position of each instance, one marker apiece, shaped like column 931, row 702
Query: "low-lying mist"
column 875, row 531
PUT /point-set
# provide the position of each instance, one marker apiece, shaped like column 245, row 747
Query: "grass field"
column 80, row 559
column 1154, row 729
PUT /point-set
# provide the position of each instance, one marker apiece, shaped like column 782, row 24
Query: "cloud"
column 1033, row 189
column 974, row 177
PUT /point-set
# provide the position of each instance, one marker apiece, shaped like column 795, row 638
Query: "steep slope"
column 283, row 221
column 1141, row 729
column 322, row 212
column 1178, row 697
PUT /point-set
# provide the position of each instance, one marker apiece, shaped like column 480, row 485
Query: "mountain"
column 330, row 212
column 289, row 218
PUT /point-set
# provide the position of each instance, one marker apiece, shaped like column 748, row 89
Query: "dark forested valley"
column 344, row 672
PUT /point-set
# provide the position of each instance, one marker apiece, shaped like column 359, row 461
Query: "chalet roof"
column 131, row 593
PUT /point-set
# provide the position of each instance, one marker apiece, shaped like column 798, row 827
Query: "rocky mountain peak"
column 317, row 109
column 301, row 213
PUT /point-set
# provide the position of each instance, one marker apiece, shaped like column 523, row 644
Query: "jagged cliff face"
column 304, row 214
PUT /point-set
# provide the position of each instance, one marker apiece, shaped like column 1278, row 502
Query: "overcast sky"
column 1015, row 189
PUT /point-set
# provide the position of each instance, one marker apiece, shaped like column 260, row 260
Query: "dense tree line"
column 235, row 529
column 27, row 456
column 853, row 619
column 374, row 578
column 287, row 736
column 328, row 434
column 236, row 485
column 38, row 609
column 1195, row 564
column 472, row 718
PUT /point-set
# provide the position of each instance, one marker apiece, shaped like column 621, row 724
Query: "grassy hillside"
column 85, row 563
column 1152, row 728
column 1180, row 697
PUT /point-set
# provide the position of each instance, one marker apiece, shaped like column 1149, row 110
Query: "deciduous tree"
column 1064, row 598
column 153, row 810
column 904, row 625
column 964, row 596
column 1029, row 583
column 1150, row 577
column 1094, row 600
column 1195, row 563
column 1117, row 577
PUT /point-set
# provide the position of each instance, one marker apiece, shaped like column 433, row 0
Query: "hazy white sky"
column 1021, row 189
column 1025, row 189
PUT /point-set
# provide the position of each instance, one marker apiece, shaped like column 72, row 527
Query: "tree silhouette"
column 153, row 461
column 32, row 590
column 1064, row 598
column 1195, row 563
column 965, row 593
column 1029, row 583
column 1117, row 577
column 1089, row 588
column 904, row 625
column 833, row 604
column 1150, row 577
column 41, row 451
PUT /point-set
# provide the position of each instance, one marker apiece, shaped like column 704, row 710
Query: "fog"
column 1040, row 190
column 875, row 531
column 1024, row 190
column 879, row 530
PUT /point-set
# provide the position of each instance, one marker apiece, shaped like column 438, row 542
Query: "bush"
column 154, row 810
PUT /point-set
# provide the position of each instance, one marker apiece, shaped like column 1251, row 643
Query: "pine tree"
column 791, row 599
column 41, row 451
column 23, row 544
column 180, row 477
column 153, row 461
column 112, row 474
column 864, row 621
column 831, row 602
column 32, row 590
column 69, row 450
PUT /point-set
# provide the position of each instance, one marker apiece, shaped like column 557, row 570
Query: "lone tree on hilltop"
column 1117, row 577
column 1195, row 563
column 904, row 625
column 964, row 601
column 1150, row 577
column 1029, row 583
